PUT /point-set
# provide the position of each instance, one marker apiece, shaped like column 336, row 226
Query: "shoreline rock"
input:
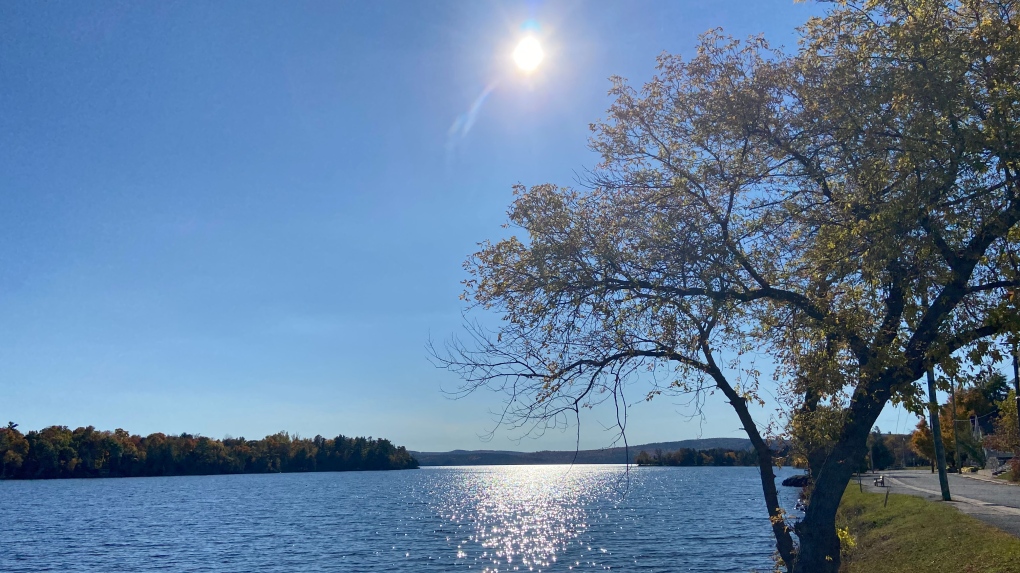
column 800, row 480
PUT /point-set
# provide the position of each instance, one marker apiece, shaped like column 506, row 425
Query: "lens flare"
column 528, row 54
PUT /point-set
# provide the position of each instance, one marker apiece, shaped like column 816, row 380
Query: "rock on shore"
column 800, row 480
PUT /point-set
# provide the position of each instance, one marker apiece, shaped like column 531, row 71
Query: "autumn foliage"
column 58, row 452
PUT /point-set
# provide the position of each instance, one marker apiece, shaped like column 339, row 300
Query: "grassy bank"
column 912, row 534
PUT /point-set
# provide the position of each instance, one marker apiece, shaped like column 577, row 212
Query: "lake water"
column 488, row 518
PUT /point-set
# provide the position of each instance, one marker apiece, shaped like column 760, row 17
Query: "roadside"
column 995, row 502
column 986, row 475
column 906, row 533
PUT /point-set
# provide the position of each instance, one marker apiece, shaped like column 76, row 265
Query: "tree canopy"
column 850, row 209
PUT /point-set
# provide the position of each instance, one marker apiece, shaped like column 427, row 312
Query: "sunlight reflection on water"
column 523, row 516
column 533, row 518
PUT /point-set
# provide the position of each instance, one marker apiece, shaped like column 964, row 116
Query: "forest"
column 692, row 457
column 58, row 452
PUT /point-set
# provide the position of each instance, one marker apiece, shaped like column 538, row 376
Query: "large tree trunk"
column 819, row 543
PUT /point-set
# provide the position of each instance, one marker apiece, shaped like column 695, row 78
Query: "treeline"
column 689, row 457
column 58, row 452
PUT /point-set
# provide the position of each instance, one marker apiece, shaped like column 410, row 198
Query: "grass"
column 1007, row 475
column 913, row 534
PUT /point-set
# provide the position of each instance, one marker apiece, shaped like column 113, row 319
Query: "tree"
column 13, row 449
column 881, row 456
column 902, row 453
column 923, row 444
column 983, row 400
column 1006, row 436
column 978, row 397
column 851, row 208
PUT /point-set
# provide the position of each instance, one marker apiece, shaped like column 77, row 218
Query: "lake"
column 481, row 518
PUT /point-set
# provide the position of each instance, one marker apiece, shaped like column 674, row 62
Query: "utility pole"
column 1016, row 377
column 956, row 428
column 936, row 433
column 936, row 426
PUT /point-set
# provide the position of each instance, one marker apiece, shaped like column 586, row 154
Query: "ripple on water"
column 490, row 519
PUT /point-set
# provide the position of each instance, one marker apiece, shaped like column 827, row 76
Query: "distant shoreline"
column 616, row 455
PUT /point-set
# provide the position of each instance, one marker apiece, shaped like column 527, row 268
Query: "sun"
column 528, row 54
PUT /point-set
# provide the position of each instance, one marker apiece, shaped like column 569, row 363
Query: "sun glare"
column 528, row 54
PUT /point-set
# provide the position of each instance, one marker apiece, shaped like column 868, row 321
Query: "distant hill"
column 605, row 456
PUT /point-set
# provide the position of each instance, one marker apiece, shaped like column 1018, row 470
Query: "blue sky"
column 245, row 217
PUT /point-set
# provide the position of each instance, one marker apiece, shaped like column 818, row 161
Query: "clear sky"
column 245, row 217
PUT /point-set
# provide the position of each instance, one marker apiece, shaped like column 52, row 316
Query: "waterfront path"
column 995, row 503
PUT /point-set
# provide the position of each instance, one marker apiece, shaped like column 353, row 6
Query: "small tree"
column 923, row 444
column 851, row 208
column 1006, row 436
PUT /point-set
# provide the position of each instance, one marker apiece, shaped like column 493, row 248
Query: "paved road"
column 994, row 503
